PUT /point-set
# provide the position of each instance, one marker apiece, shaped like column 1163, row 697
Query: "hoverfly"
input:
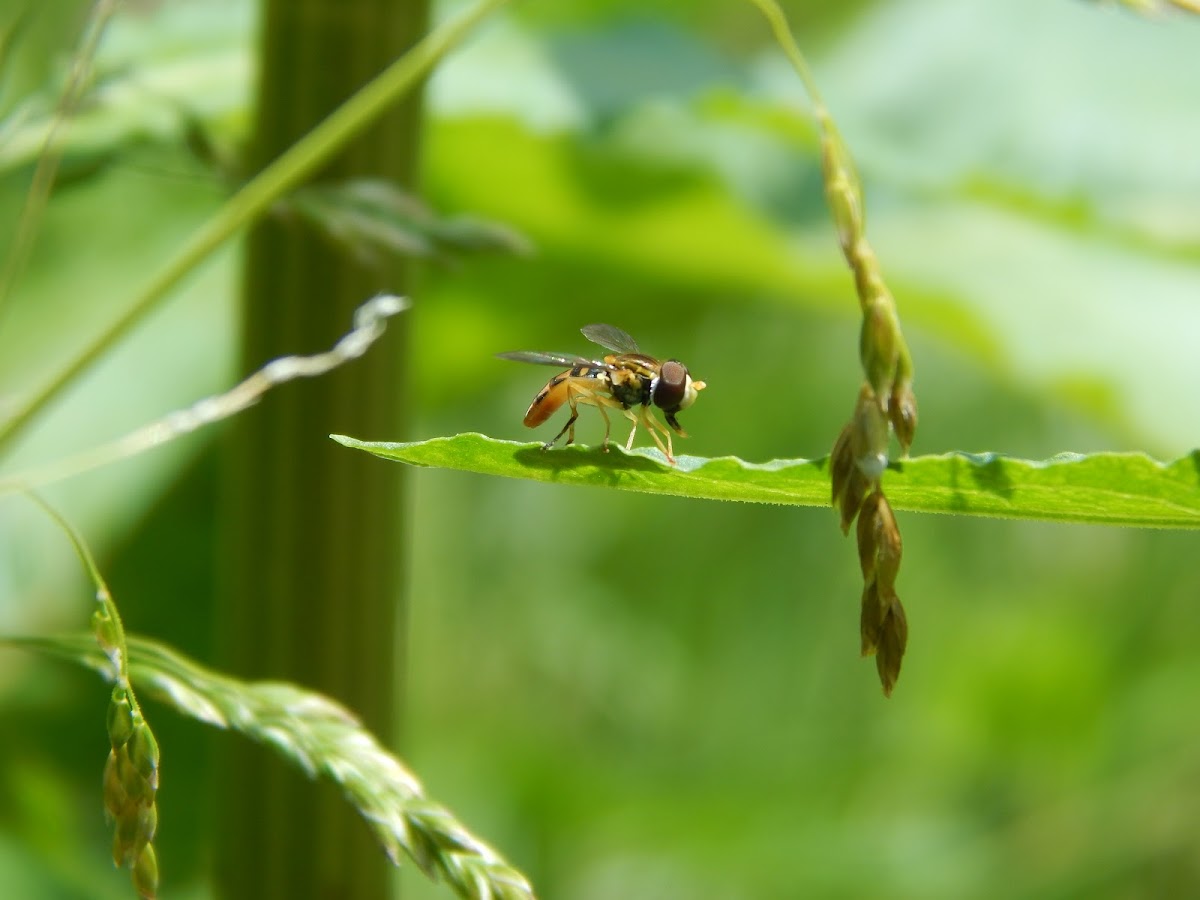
column 625, row 379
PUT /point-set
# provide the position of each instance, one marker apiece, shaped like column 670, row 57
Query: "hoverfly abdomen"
column 557, row 392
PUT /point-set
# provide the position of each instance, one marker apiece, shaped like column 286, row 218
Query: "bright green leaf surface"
column 1108, row 488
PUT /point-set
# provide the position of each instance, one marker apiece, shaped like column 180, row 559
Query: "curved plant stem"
column 118, row 656
column 369, row 323
column 783, row 36
column 47, row 165
column 290, row 169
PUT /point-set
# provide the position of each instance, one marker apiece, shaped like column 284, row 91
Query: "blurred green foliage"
column 648, row 697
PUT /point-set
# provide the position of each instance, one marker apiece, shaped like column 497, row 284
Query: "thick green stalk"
column 314, row 538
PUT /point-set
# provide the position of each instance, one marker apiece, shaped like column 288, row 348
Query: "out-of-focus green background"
column 641, row 697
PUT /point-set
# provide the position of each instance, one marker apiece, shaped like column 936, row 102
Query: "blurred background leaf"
column 373, row 219
column 642, row 696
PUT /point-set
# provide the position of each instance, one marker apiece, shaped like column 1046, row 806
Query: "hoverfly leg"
column 654, row 427
column 569, row 427
column 607, row 426
column 629, row 414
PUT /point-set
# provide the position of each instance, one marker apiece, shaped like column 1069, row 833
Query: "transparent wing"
column 610, row 336
column 562, row 360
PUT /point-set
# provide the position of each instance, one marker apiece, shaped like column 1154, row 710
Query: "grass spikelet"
column 130, row 782
column 886, row 402
column 321, row 737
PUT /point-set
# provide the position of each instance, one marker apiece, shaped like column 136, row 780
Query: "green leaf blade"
column 1128, row 489
column 1103, row 488
column 794, row 481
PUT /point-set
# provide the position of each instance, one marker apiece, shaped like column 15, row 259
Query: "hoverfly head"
column 674, row 390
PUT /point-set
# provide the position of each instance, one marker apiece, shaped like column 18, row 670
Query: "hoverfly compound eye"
column 671, row 391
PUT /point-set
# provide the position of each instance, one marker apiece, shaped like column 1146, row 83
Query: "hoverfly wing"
column 562, row 360
column 610, row 336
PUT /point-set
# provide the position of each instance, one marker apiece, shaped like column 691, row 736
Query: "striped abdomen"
column 556, row 391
